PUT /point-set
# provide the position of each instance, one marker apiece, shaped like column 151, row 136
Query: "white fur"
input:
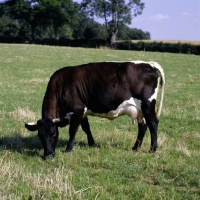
column 68, row 116
column 154, row 95
column 131, row 107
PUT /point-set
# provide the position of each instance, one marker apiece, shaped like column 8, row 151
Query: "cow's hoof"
column 68, row 150
column 152, row 150
column 135, row 149
column 91, row 144
column 48, row 156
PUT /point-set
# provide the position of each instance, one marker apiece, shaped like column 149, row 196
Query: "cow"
column 103, row 89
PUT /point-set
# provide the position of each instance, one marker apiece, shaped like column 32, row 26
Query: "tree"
column 37, row 13
column 114, row 13
column 88, row 28
column 8, row 27
column 27, row 10
column 138, row 34
column 62, row 17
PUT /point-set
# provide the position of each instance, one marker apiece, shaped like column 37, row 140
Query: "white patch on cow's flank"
column 68, row 116
column 154, row 95
column 131, row 107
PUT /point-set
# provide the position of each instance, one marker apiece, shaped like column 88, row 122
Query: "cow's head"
column 47, row 132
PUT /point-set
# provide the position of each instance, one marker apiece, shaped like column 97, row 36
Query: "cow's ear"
column 31, row 126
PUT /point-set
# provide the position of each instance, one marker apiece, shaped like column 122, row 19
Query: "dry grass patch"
column 161, row 139
column 23, row 114
column 38, row 185
column 34, row 80
column 184, row 149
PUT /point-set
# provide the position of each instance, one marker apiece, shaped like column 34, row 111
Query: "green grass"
column 110, row 170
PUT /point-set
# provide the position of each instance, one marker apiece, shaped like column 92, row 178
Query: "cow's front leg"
column 86, row 128
column 142, row 127
column 73, row 128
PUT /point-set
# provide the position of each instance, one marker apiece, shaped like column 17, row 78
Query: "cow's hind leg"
column 73, row 128
column 142, row 127
column 153, row 127
column 148, row 108
column 86, row 128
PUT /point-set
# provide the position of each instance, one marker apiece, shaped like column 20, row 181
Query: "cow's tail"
column 161, row 82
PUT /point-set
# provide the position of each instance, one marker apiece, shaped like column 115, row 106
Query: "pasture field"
column 171, row 41
column 109, row 170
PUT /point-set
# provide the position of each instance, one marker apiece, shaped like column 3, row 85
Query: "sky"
column 170, row 19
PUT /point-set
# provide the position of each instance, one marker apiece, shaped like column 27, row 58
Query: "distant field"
column 110, row 170
column 170, row 41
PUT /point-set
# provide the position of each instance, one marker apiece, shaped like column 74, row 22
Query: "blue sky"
column 170, row 19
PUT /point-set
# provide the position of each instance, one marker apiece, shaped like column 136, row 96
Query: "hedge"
column 13, row 40
column 186, row 48
column 93, row 43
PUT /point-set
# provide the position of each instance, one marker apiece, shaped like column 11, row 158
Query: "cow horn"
column 31, row 123
column 56, row 120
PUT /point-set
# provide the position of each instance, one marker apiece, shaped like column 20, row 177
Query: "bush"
column 159, row 47
column 12, row 40
column 154, row 46
column 93, row 43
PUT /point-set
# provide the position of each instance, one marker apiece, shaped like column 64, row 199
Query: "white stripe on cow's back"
column 131, row 107
column 157, row 66
column 152, row 63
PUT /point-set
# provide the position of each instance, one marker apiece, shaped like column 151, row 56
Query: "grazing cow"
column 106, row 89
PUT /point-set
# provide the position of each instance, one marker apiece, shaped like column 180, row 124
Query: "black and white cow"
column 106, row 89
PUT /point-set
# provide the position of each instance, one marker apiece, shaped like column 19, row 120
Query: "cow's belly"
column 131, row 107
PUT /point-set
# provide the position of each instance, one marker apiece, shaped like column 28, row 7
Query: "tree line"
column 38, row 19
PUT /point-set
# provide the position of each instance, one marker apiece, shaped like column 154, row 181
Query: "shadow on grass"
column 31, row 145
column 23, row 145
